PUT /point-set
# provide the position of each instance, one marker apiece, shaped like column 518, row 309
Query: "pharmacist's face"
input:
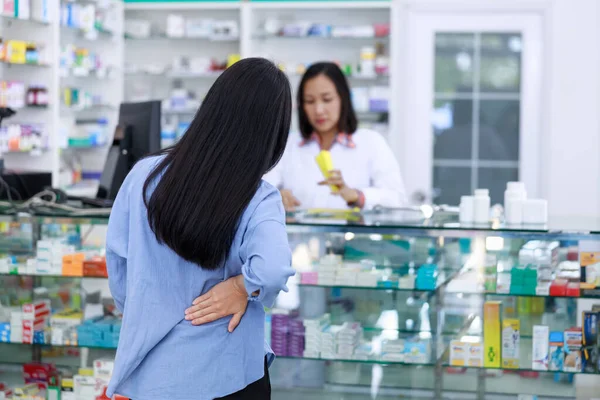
column 322, row 104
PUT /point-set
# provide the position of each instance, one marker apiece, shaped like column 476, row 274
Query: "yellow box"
column 15, row 51
column 458, row 353
column 475, row 356
column 510, row 343
column 491, row 334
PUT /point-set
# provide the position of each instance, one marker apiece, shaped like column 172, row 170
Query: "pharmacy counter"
column 383, row 305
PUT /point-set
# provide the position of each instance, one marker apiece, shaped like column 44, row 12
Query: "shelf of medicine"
column 525, row 364
column 40, row 65
column 93, row 108
column 86, row 75
column 326, row 38
column 176, row 75
column 11, row 19
column 101, row 32
column 382, row 288
column 37, row 275
column 170, row 39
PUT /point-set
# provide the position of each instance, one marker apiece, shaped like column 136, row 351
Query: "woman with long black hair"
column 190, row 218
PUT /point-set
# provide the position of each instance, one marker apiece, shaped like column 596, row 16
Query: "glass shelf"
column 10, row 63
column 517, row 370
column 393, row 289
column 315, row 37
column 51, row 276
column 183, row 39
column 389, row 222
column 370, row 361
column 24, row 20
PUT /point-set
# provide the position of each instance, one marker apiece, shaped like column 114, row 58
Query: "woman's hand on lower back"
column 224, row 299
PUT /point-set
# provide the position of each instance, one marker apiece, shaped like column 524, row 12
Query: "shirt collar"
column 342, row 138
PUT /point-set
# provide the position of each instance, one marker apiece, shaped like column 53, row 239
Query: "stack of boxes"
column 279, row 331
column 4, row 332
column 313, row 328
column 427, row 275
column 72, row 264
column 538, row 260
column 573, row 354
column 49, row 257
column 466, row 354
column 99, row 332
column 103, row 369
column 523, row 281
column 36, row 317
column 393, row 350
column 287, row 334
column 331, row 271
column 64, row 327
column 41, row 374
column 9, row 265
column 295, row 345
column 16, row 327
column 340, row 341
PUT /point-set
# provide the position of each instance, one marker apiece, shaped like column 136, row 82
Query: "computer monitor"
column 136, row 136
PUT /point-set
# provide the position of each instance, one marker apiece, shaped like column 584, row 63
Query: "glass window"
column 476, row 113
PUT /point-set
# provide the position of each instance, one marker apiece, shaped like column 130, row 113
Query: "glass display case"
column 384, row 305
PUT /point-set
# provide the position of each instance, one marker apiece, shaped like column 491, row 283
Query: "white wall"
column 569, row 168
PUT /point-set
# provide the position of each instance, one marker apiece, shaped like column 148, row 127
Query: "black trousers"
column 259, row 390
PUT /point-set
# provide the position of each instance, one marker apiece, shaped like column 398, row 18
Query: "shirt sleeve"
column 117, row 239
column 387, row 187
column 266, row 253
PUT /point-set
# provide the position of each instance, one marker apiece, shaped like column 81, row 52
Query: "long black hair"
column 348, row 122
column 207, row 180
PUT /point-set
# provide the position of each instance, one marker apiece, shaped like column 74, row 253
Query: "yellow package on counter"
column 491, row 334
column 325, row 165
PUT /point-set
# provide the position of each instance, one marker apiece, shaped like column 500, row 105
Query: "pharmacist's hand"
column 289, row 201
column 349, row 195
column 224, row 299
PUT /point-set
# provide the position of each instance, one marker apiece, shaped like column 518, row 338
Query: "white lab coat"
column 369, row 166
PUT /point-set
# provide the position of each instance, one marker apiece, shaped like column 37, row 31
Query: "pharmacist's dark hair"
column 206, row 181
column 348, row 122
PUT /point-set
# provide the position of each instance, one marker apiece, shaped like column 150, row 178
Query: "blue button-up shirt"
column 161, row 356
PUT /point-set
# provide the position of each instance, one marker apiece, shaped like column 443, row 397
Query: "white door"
column 470, row 112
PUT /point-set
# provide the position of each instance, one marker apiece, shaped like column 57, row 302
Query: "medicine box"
column 540, row 348
column 458, row 353
column 556, row 353
column 491, row 334
column 510, row 343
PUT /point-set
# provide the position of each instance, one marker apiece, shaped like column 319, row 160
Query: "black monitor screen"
column 136, row 136
column 108, row 175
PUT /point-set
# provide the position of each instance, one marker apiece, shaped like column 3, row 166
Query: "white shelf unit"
column 53, row 36
column 157, row 66
column 253, row 42
column 44, row 35
column 107, row 83
column 291, row 52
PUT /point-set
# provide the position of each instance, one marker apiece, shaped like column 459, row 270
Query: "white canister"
column 514, row 191
column 535, row 211
column 481, row 206
column 467, row 209
column 513, row 212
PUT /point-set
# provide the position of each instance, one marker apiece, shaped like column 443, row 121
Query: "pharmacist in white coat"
column 365, row 169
